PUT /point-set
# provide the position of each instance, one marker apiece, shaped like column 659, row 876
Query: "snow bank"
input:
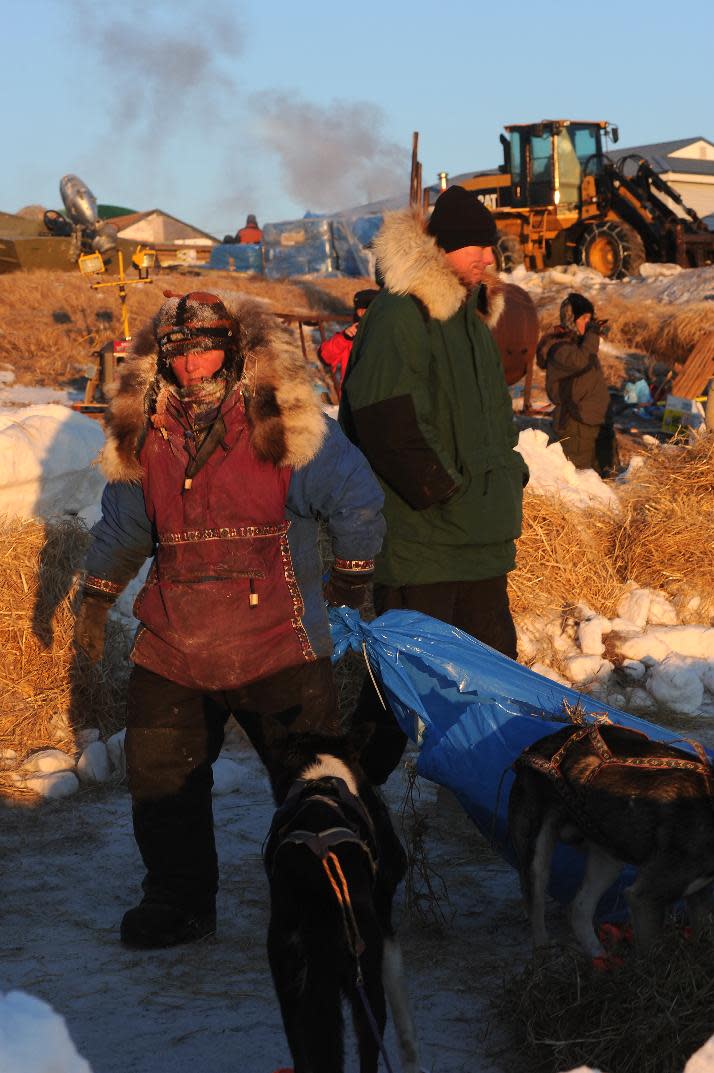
column 553, row 474
column 52, row 773
column 656, row 282
column 639, row 661
column 34, row 1039
column 46, row 455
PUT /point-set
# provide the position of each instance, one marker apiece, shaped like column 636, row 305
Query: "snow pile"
column 640, row 660
column 668, row 283
column 574, row 277
column 13, row 395
column 656, row 282
column 46, row 455
column 53, row 773
column 553, row 474
column 34, row 1039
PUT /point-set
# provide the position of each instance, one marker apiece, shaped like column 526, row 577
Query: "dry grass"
column 666, row 536
column 425, row 892
column 663, row 539
column 563, row 559
column 649, row 1015
column 666, row 330
column 52, row 321
column 46, row 694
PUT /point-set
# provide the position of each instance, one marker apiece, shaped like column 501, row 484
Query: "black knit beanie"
column 573, row 307
column 362, row 299
column 459, row 219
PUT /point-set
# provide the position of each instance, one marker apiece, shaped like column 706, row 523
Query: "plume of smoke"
column 331, row 157
column 167, row 70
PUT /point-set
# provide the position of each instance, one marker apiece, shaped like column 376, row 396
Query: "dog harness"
column 573, row 794
column 354, row 824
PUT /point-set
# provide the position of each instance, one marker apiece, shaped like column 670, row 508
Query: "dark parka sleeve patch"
column 386, row 401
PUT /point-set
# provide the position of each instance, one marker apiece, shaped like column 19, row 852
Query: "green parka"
column 425, row 398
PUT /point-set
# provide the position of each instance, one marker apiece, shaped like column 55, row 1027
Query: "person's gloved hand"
column 90, row 626
column 354, row 590
column 600, row 327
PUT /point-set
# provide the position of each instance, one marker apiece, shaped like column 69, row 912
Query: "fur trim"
column 411, row 263
column 284, row 414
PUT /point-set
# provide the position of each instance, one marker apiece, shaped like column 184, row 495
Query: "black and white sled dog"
column 334, row 863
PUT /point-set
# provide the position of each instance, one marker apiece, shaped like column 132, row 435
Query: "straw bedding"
column 651, row 1013
column 663, row 538
column 666, row 536
column 47, row 694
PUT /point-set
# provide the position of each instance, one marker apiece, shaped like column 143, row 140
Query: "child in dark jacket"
column 574, row 379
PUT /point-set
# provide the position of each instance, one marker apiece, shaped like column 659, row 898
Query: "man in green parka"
column 425, row 399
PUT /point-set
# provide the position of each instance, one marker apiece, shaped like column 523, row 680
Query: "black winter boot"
column 156, row 925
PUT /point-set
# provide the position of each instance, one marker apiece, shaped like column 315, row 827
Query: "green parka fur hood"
column 426, row 400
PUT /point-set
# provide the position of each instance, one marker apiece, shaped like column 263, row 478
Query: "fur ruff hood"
column 411, row 263
column 287, row 424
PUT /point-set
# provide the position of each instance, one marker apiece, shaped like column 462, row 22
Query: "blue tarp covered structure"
column 472, row 711
column 237, row 257
column 314, row 245
column 325, row 245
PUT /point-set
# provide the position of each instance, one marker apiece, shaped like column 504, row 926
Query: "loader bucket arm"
column 646, row 178
column 668, row 235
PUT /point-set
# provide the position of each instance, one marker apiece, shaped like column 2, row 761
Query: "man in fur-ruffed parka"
column 220, row 462
column 425, row 399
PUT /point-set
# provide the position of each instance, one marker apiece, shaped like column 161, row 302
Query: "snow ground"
column 211, row 1006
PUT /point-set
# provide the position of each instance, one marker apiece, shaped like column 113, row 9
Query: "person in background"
column 425, row 399
column 251, row 232
column 335, row 351
column 221, row 465
column 574, row 381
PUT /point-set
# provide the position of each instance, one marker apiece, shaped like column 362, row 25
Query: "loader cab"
column 548, row 161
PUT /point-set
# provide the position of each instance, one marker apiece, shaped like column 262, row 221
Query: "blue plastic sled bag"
column 472, row 711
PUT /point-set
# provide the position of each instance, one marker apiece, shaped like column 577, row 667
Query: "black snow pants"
column 174, row 735
column 479, row 608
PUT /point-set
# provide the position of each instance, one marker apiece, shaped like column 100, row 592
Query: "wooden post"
column 414, row 191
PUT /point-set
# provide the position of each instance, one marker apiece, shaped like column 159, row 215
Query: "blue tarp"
column 324, row 245
column 298, row 247
column 237, row 257
column 472, row 711
column 314, row 245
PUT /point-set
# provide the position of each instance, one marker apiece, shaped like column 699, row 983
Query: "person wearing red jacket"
column 335, row 351
column 251, row 232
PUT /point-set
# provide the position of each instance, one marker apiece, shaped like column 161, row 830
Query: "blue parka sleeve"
column 339, row 488
column 123, row 538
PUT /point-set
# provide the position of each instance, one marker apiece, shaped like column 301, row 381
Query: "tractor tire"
column 611, row 248
column 508, row 252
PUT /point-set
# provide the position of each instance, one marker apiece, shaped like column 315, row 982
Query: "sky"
column 213, row 111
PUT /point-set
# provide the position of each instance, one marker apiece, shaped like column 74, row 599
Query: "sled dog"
column 627, row 800
column 334, row 863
